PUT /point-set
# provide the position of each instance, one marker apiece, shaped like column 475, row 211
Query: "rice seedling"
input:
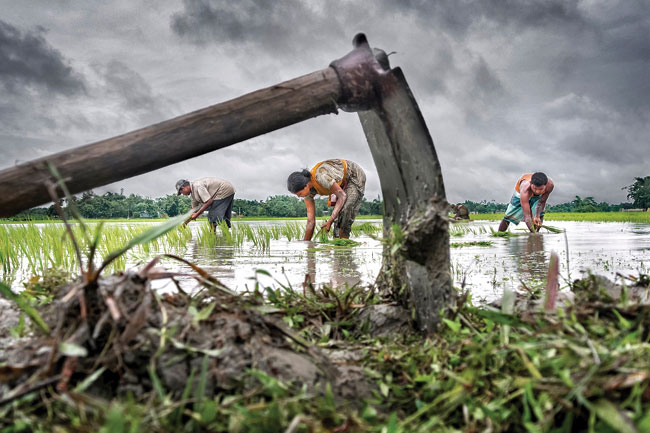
column 471, row 244
column 458, row 230
column 366, row 228
column 260, row 236
column 339, row 242
column 28, row 248
column 293, row 230
column 546, row 227
column 551, row 229
column 33, row 248
column 506, row 234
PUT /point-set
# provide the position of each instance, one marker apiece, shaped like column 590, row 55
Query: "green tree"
column 639, row 191
column 588, row 204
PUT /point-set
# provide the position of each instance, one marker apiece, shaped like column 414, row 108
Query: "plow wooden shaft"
column 172, row 141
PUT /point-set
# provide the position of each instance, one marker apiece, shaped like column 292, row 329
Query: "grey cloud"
column 286, row 26
column 43, row 98
column 589, row 130
column 36, row 82
column 26, row 59
column 204, row 20
column 505, row 86
column 13, row 149
column 133, row 92
column 483, row 97
column 575, row 106
column 458, row 17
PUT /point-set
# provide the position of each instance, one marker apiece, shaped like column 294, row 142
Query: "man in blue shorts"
column 531, row 192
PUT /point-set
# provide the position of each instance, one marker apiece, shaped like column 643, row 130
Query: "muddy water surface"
column 602, row 248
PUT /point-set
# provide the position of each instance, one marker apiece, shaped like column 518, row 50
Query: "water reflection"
column 310, row 270
column 528, row 251
column 345, row 272
column 335, row 267
column 602, row 248
column 220, row 260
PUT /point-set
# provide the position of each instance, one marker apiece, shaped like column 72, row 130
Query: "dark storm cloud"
column 36, row 81
column 275, row 25
column 27, row 60
column 505, row 86
column 133, row 93
column 458, row 17
column 42, row 95
column 483, row 97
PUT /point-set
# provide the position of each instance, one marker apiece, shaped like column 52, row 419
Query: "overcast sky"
column 506, row 86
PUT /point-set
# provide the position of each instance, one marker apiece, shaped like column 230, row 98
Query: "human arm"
column 341, row 197
column 311, row 219
column 202, row 209
column 200, row 195
column 542, row 203
column 524, row 197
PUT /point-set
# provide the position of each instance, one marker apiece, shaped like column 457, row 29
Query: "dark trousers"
column 221, row 210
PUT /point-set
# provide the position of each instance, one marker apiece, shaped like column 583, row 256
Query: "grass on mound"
column 578, row 368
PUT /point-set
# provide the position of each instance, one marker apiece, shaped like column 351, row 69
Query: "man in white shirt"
column 211, row 194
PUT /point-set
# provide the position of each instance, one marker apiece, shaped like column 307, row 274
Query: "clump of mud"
column 137, row 337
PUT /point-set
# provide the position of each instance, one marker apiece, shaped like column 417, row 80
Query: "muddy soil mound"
column 139, row 338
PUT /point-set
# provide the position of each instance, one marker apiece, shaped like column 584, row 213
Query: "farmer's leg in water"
column 514, row 213
column 221, row 210
column 354, row 192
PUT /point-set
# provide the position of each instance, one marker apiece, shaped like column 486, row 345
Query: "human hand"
column 326, row 226
column 194, row 216
column 537, row 221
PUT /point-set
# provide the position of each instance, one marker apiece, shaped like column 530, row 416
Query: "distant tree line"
column 579, row 204
column 113, row 205
column 290, row 206
column 485, row 206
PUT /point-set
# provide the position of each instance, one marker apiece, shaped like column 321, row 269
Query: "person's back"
column 343, row 181
column 209, row 187
column 209, row 194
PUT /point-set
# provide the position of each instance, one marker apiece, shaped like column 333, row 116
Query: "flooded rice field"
column 600, row 248
column 269, row 253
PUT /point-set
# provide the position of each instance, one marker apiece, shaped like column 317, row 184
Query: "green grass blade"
column 155, row 380
column 552, row 229
column 612, row 415
column 201, row 386
column 81, row 387
column 25, row 307
column 95, row 244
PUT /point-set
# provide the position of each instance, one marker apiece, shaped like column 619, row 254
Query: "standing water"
column 480, row 262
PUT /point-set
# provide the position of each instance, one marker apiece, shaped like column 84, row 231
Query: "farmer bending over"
column 531, row 193
column 342, row 181
column 211, row 194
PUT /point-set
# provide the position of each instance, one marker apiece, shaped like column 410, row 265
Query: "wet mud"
column 137, row 338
